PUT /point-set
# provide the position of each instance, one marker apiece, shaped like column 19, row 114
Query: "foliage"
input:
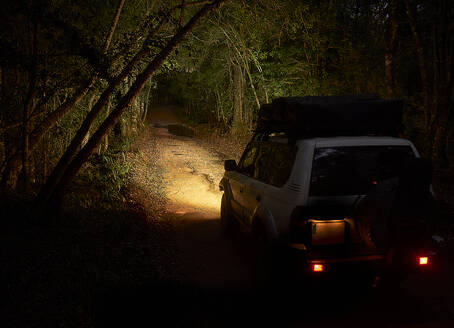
column 102, row 184
column 280, row 49
column 255, row 51
column 57, row 66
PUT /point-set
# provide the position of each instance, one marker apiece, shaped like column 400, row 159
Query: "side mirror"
column 230, row 165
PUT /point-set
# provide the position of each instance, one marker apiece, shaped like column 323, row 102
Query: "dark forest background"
column 78, row 77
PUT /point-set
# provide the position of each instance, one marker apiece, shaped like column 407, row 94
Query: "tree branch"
column 113, row 25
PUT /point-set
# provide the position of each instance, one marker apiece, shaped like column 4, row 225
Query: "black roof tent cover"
column 319, row 116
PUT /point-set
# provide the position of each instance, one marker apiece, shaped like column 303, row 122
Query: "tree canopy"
column 254, row 51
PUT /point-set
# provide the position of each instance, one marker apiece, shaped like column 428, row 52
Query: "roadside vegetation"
column 103, row 181
column 68, row 270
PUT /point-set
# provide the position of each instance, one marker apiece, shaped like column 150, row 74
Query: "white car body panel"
column 279, row 203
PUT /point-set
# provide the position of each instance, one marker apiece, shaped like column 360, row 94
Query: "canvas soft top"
column 320, row 116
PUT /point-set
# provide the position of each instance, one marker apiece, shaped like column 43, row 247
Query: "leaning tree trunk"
column 30, row 99
column 53, row 196
column 79, row 138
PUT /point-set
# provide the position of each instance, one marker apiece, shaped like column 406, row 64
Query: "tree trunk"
column 146, row 104
column 438, row 99
column 105, row 141
column 425, row 82
column 53, row 195
column 113, row 25
column 238, row 82
column 390, row 51
column 422, row 62
column 15, row 164
column 28, row 105
column 79, row 138
column 443, row 80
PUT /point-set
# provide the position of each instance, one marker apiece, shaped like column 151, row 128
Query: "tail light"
column 317, row 267
column 423, row 260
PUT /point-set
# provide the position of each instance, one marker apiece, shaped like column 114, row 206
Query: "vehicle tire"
column 265, row 272
column 272, row 270
column 228, row 223
column 391, row 283
column 372, row 217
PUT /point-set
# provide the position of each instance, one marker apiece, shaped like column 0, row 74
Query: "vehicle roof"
column 355, row 141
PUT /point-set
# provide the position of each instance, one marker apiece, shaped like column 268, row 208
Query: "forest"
column 105, row 212
column 76, row 75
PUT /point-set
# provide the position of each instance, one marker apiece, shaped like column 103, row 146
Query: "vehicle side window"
column 282, row 164
column 246, row 164
column 274, row 163
column 262, row 164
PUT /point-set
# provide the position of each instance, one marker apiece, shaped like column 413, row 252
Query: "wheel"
column 272, row 263
column 390, row 284
column 228, row 223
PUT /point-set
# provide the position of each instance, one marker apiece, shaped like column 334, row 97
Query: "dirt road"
column 191, row 175
column 215, row 284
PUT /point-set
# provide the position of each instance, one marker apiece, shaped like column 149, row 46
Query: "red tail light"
column 317, row 267
column 423, row 260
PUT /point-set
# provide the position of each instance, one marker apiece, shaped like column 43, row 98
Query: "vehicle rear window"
column 340, row 171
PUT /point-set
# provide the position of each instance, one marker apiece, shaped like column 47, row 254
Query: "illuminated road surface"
column 191, row 176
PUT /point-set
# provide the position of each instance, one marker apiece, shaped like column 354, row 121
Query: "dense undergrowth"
column 102, row 183
column 62, row 275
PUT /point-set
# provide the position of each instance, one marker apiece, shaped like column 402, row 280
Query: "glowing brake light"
column 423, row 260
column 317, row 267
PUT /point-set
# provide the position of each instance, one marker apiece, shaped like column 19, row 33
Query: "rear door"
column 254, row 188
column 245, row 172
column 272, row 169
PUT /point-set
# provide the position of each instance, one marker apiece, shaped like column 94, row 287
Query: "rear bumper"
column 402, row 263
column 363, row 258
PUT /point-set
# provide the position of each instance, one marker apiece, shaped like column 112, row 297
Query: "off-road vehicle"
column 330, row 179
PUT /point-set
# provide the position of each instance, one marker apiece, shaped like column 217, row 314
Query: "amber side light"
column 423, row 260
column 317, row 267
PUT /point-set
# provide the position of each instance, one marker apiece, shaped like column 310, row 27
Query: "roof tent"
column 322, row 116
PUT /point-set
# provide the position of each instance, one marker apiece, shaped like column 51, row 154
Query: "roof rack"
column 323, row 116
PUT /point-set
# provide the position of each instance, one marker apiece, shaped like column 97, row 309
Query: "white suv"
column 302, row 191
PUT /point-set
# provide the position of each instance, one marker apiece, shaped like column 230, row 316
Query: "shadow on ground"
column 177, row 129
column 174, row 305
column 340, row 302
column 51, row 274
